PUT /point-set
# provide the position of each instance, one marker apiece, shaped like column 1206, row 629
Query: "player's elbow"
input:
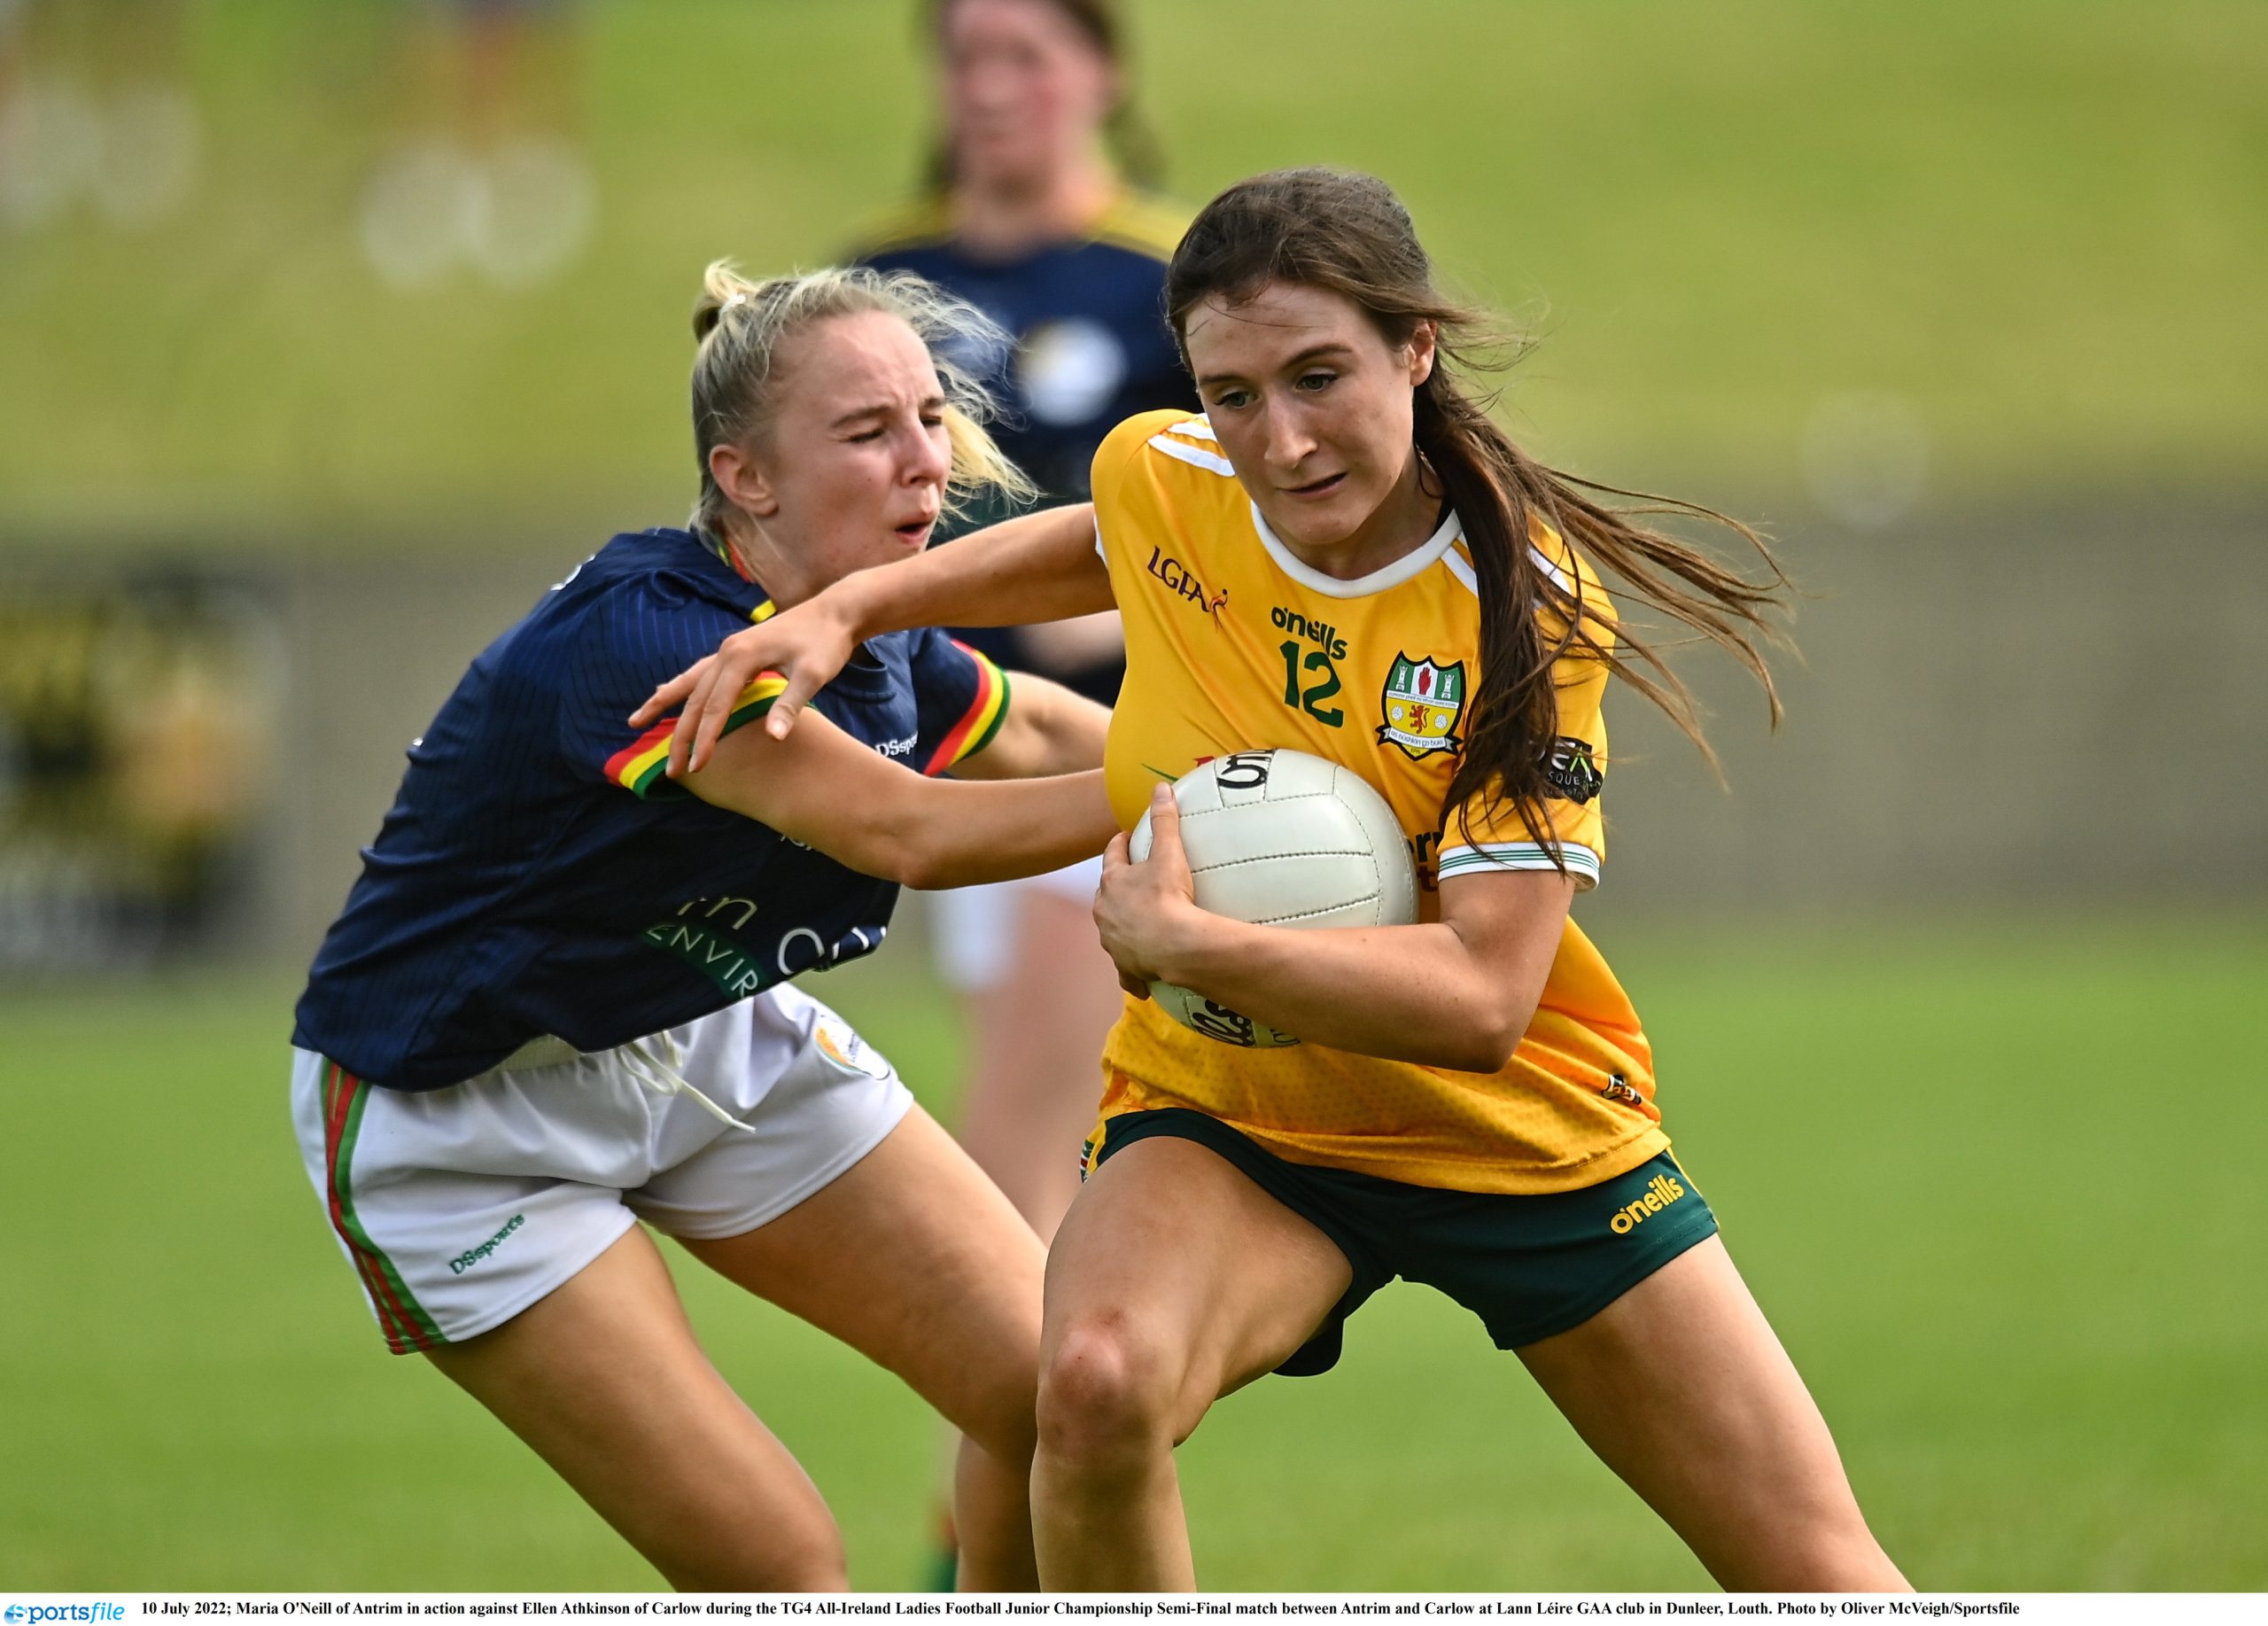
column 928, row 853
column 923, row 868
column 1484, row 1041
column 891, row 844
column 1473, row 1055
column 899, row 851
column 927, row 833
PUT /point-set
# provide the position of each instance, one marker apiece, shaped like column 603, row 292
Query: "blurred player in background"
column 1036, row 209
column 1363, row 566
column 558, row 1000
column 1035, row 213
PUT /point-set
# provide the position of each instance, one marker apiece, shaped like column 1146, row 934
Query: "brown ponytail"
column 1349, row 233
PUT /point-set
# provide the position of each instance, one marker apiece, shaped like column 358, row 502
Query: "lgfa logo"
column 1660, row 1195
column 1182, row 581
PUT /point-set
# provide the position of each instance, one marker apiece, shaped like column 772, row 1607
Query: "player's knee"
column 792, row 1556
column 1105, row 1393
column 1819, row 1549
column 1843, row 1556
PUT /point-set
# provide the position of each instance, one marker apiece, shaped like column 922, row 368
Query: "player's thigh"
column 604, row 1380
column 914, row 1258
column 972, row 934
column 1066, row 991
column 1054, row 934
column 1178, row 1272
column 1062, row 993
column 1681, row 1386
column 1035, row 1074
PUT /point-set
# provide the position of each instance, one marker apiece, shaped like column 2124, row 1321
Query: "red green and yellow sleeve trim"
column 639, row 765
column 982, row 720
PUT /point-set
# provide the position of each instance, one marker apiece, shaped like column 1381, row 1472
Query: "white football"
column 1281, row 838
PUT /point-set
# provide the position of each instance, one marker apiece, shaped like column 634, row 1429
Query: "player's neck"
column 759, row 558
column 1003, row 219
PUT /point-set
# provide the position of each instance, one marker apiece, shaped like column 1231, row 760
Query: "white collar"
column 1379, row 580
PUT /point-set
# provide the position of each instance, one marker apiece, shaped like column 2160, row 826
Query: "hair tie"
column 737, row 297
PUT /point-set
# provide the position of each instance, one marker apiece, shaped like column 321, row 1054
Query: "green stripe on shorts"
column 426, row 1334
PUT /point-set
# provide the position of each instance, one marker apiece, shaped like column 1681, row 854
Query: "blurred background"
column 331, row 335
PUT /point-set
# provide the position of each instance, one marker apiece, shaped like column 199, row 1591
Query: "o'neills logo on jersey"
column 1663, row 1192
column 1422, row 701
column 1322, row 634
column 1183, row 580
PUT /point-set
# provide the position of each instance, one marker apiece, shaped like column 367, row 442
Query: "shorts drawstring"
column 660, row 1074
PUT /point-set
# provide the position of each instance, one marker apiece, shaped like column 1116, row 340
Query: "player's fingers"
column 1114, row 856
column 1139, row 987
column 1165, row 826
column 663, row 699
column 692, row 686
column 715, row 712
column 790, row 705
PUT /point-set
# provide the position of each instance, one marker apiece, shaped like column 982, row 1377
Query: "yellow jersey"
column 1232, row 644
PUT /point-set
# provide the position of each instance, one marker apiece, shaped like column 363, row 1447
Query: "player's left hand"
column 1140, row 908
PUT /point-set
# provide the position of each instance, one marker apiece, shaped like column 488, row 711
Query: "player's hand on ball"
column 806, row 645
column 1139, row 907
column 1114, row 856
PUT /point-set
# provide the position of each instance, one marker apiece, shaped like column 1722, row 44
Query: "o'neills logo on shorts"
column 1659, row 1195
column 471, row 1257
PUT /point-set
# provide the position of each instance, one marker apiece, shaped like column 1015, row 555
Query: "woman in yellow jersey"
column 1344, row 556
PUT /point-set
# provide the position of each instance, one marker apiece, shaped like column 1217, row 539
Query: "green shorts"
column 1528, row 1266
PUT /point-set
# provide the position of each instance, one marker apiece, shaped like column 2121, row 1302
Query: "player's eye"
column 866, row 435
column 1232, row 401
column 1314, row 383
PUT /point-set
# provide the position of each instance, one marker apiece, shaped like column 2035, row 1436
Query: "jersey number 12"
column 1310, row 700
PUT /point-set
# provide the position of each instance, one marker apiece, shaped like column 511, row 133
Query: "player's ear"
column 742, row 479
column 1421, row 348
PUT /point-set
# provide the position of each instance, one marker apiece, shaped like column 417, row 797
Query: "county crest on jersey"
column 1422, row 702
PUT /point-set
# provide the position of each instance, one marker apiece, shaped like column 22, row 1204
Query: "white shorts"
column 459, row 1207
column 973, row 929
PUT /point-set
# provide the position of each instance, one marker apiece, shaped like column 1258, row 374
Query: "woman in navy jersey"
column 558, row 1000
column 1036, row 210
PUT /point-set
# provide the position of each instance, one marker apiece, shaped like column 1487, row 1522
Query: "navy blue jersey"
column 1091, row 348
column 540, row 875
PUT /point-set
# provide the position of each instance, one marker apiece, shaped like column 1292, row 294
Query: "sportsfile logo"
column 1663, row 1192
column 33, row 1615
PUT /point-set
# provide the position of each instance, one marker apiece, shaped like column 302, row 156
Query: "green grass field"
column 1997, row 1187
column 2045, row 222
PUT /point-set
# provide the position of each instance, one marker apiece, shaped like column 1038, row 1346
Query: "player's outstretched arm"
column 1458, row 993
column 1050, row 730
column 824, row 789
column 1040, row 567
